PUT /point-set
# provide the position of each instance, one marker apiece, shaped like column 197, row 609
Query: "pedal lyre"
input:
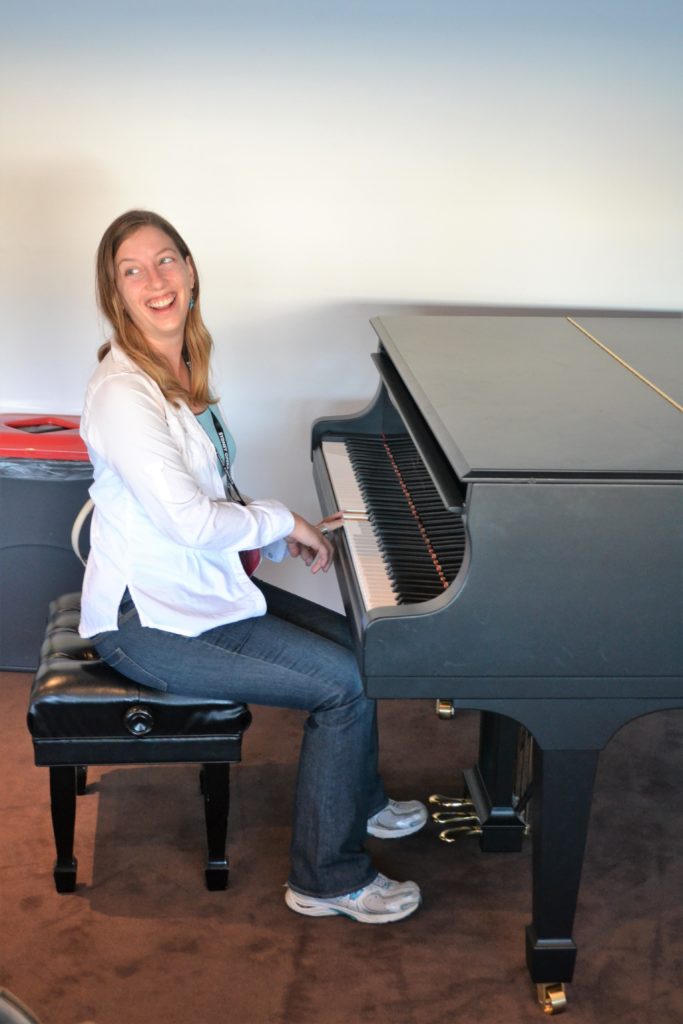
column 459, row 813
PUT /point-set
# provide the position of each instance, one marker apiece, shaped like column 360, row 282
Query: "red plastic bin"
column 38, row 436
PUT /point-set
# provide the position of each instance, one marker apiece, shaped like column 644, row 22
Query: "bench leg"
column 216, row 789
column 63, row 807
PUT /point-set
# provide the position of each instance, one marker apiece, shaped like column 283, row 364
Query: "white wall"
column 328, row 162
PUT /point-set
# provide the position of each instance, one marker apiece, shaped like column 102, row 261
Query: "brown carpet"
column 142, row 941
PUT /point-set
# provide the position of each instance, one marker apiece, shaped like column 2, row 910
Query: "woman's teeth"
column 162, row 303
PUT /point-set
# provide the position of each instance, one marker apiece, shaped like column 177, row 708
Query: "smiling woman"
column 155, row 285
column 166, row 600
column 148, row 289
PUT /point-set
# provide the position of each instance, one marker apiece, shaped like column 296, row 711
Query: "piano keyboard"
column 409, row 548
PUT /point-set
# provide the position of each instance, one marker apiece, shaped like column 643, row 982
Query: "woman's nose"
column 155, row 277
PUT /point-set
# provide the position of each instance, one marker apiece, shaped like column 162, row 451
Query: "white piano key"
column 346, row 489
column 373, row 580
column 366, row 556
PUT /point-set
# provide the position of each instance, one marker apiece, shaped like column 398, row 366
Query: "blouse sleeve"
column 126, row 425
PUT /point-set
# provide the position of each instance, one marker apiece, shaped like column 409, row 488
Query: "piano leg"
column 563, row 789
column 491, row 785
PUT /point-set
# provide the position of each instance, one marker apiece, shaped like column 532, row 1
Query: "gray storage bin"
column 44, row 479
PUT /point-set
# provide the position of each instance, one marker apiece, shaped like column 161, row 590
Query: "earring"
column 191, row 302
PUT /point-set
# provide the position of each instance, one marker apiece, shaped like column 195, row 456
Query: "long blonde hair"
column 197, row 343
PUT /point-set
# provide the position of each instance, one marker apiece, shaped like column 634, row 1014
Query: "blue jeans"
column 298, row 655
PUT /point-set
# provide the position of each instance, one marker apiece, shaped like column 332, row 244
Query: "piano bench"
column 82, row 712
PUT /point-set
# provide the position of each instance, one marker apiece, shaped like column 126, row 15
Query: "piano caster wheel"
column 451, row 802
column 451, row 835
column 445, row 709
column 552, row 996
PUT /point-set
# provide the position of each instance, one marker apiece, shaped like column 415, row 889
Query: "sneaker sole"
column 379, row 832
column 297, row 902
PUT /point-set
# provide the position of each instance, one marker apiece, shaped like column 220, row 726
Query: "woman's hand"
column 307, row 542
column 331, row 523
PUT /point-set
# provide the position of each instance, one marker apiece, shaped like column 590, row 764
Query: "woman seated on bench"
column 166, row 599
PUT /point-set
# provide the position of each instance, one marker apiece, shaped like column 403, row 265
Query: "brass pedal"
column 460, row 818
column 451, row 835
column 451, row 802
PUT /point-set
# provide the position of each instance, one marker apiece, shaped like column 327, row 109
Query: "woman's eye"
column 130, row 271
column 166, row 259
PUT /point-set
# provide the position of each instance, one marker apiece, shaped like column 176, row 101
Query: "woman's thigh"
column 310, row 616
column 264, row 660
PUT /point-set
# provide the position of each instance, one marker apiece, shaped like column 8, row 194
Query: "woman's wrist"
column 294, row 535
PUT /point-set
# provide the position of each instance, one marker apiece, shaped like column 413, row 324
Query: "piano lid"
column 511, row 396
column 653, row 346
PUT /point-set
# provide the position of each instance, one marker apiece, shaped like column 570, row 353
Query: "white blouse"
column 161, row 525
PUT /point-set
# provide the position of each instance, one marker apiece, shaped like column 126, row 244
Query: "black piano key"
column 422, row 543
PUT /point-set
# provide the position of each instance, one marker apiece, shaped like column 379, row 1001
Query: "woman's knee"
column 346, row 697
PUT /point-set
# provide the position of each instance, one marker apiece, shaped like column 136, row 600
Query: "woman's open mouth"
column 163, row 303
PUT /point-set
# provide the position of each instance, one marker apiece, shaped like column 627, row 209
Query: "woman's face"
column 155, row 284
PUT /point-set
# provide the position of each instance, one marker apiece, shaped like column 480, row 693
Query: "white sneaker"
column 379, row 902
column 398, row 818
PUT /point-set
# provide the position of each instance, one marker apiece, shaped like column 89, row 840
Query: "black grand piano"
column 514, row 544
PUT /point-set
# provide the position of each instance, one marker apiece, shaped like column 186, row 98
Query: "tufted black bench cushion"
column 82, row 712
